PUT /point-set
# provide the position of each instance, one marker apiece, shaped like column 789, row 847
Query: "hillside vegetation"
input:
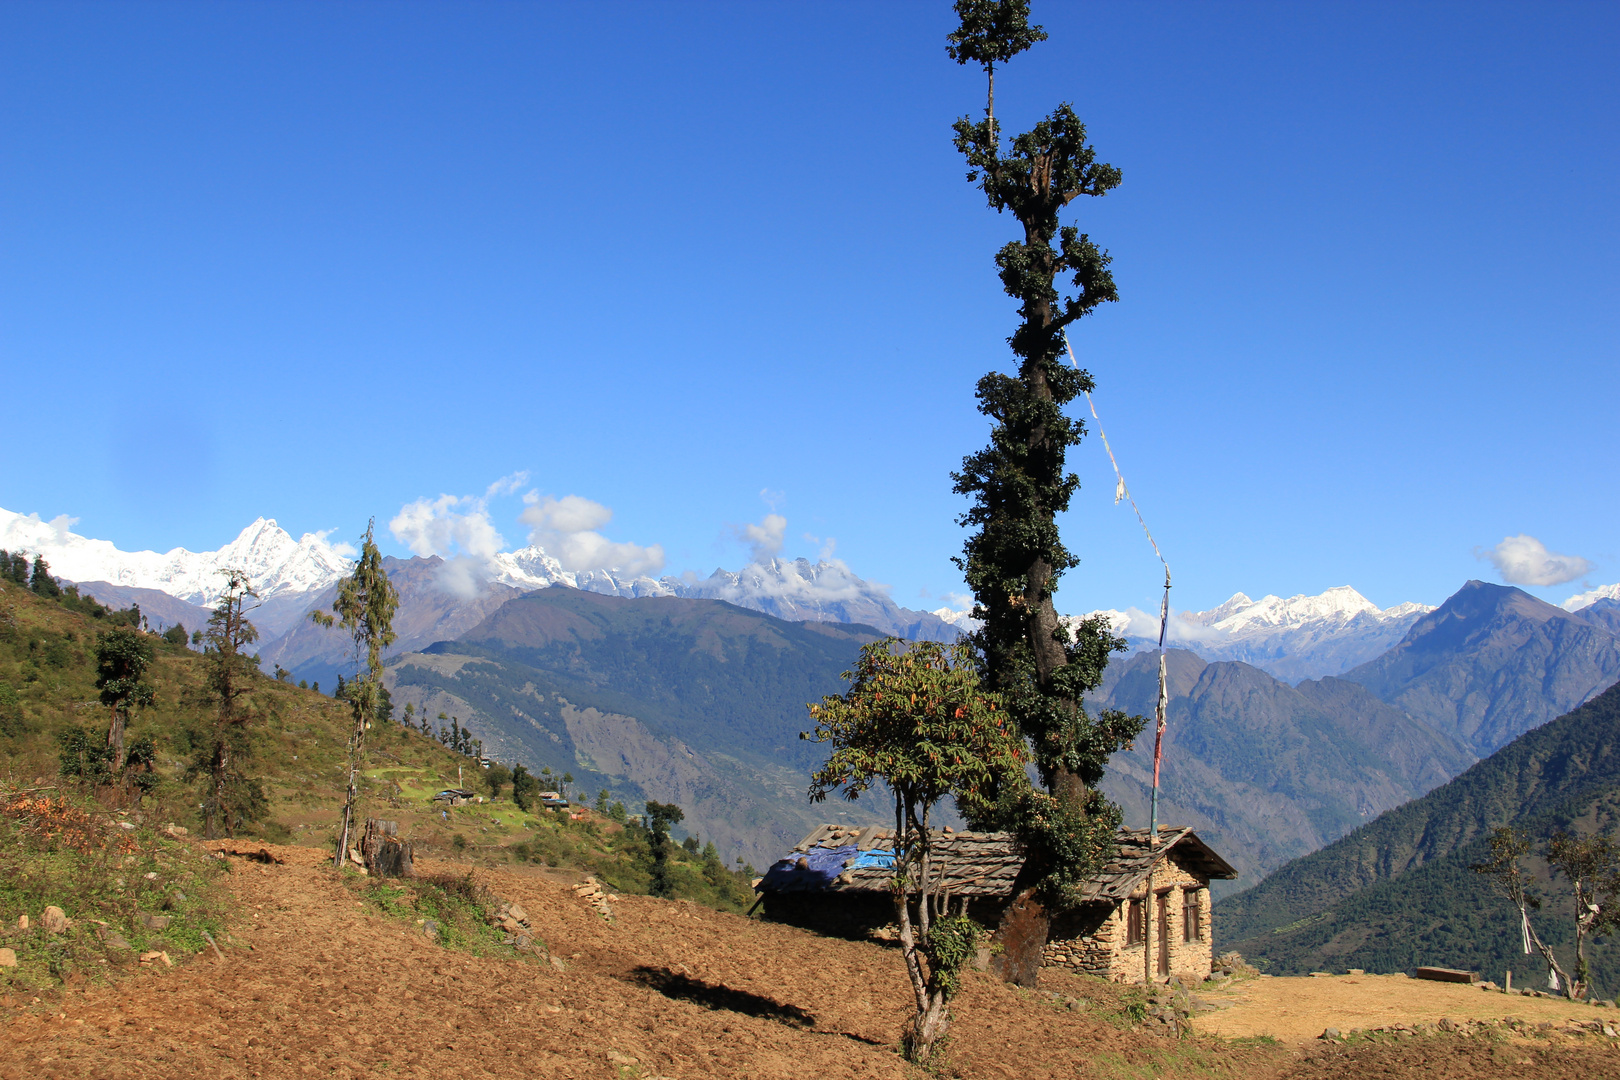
column 1397, row 892
column 296, row 750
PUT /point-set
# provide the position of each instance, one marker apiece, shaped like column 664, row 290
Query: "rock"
column 1447, row 1024
column 155, row 956
column 557, row 962
column 1489, row 986
column 156, row 922
column 623, row 1060
column 1608, row 1029
column 430, row 927
column 1329, row 1033
column 8, row 958
column 179, row 897
column 517, row 912
column 125, row 825
column 22, row 922
column 54, row 920
column 176, row 831
column 150, row 875
column 115, row 940
column 523, row 941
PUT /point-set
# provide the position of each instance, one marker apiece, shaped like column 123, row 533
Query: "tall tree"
column 660, row 816
column 232, row 798
column 122, row 657
column 1511, row 881
column 918, row 720
column 365, row 607
column 1019, row 483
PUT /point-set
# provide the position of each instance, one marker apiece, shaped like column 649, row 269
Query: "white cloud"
column 567, row 528
column 342, row 548
column 458, row 529
column 1524, row 560
column 765, row 539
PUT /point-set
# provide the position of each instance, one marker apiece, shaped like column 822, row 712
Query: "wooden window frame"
column 1192, row 914
column 1135, row 921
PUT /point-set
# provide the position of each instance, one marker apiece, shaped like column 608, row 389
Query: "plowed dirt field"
column 667, row 989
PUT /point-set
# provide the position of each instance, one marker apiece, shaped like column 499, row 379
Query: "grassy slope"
column 47, row 659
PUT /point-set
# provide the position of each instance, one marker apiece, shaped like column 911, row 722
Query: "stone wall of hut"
column 1093, row 941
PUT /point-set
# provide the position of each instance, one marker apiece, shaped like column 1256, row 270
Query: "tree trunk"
column 1022, row 935
column 384, row 853
column 115, row 738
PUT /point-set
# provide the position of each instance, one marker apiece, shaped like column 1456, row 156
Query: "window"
column 1192, row 915
column 1135, row 922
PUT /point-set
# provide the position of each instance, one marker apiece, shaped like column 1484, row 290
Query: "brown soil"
column 1296, row 1010
column 669, row 989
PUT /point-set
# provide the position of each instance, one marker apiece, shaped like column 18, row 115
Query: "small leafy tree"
column 497, row 778
column 525, row 788
column 365, row 607
column 916, row 719
column 1590, row 863
column 231, row 798
column 660, row 816
column 1514, row 884
column 122, row 658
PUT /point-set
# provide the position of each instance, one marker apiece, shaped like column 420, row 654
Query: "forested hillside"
column 1397, row 892
column 696, row 702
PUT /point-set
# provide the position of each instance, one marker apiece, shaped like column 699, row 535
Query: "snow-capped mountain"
column 1587, row 599
column 1293, row 638
column 275, row 562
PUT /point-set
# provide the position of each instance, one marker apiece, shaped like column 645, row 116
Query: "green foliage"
column 525, row 788
column 230, row 798
column 452, row 910
column 176, row 635
column 660, row 816
column 41, row 582
column 992, row 32
column 497, row 778
column 951, row 944
column 85, row 755
column 122, row 658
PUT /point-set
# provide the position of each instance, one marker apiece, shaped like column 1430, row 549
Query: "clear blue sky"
column 313, row 261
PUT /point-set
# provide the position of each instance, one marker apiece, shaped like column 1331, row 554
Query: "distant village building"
column 837, row 881
column 455, row 796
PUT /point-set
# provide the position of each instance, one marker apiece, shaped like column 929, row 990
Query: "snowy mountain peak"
column 275, row 563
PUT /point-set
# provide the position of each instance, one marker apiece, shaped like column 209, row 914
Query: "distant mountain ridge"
column 288, row 576
column 1492, row 662
column 1264, row 771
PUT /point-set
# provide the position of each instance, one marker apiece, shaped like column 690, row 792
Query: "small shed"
column 455, row 796
column 837, row 881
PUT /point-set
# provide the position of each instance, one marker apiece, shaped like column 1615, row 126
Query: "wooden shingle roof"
column 987, row 863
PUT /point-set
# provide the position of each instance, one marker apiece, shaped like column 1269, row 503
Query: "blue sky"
column 699, row 262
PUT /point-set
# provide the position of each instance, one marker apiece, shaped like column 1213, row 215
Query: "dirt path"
column 1296, row 1010
column 667, row 990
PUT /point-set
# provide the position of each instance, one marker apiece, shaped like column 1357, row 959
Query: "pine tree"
column 660, row 816
column 231, row 798
column 365, row 607
column 1014, row 558
column 42, row 583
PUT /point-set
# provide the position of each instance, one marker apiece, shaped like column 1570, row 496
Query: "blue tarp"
column 822, row 867
column 873, row 860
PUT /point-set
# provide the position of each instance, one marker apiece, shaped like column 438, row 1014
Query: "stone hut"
column 837, row 881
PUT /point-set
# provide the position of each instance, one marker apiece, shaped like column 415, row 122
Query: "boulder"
column 8, row 958
column 156, row 922
column 54, row 920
